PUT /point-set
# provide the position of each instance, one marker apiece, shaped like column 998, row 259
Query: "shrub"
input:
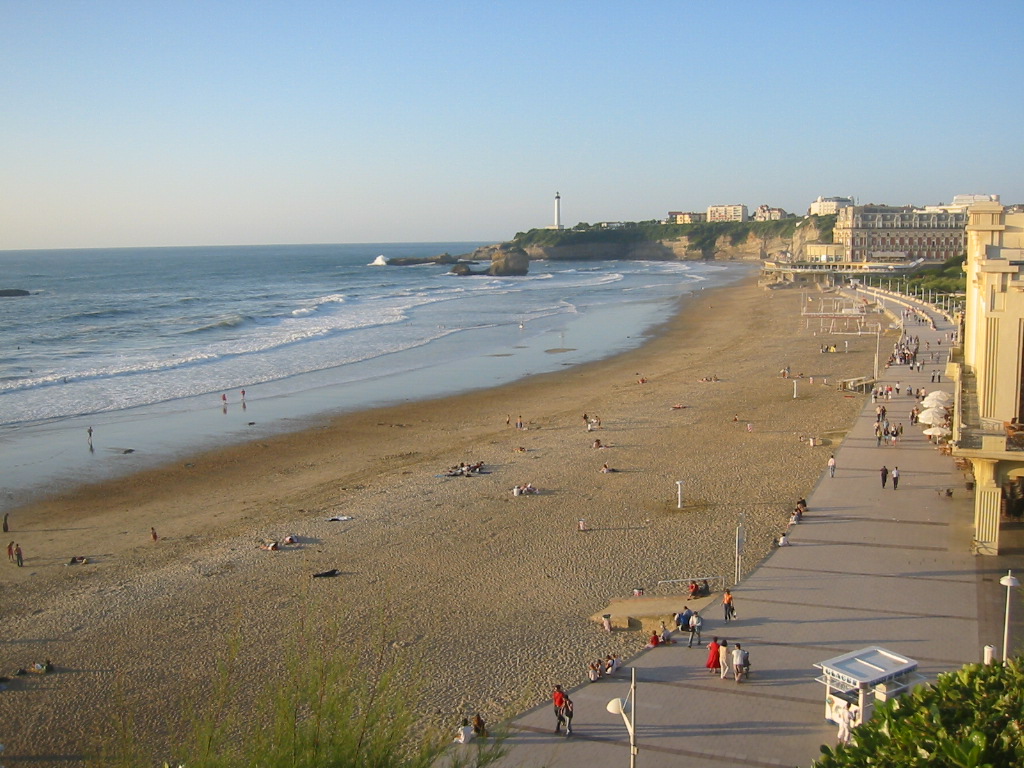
column 971, row 718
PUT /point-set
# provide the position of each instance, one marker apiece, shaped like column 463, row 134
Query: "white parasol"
column 937, row 398
column 937, row 431
column 932, row 416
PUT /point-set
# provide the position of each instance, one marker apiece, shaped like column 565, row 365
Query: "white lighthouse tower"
column 558, row 211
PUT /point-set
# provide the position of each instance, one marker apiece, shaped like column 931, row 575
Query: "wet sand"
column 492, row 590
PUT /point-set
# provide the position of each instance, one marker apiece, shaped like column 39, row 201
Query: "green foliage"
column 702, row 237
column 332, row 707
column 971, row 718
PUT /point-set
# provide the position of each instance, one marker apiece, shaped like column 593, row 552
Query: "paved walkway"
column 867, row 566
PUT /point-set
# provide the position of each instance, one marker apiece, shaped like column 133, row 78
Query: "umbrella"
column 932, row 416
column 938, row 398
column 937, row 431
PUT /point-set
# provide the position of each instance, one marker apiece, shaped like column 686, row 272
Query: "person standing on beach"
column 10, row 551
column 832, row 465
column 884, row 472
column 558, row 698
column 18, row 558
column 895, row 478
column 152, row 532
column 6, row 525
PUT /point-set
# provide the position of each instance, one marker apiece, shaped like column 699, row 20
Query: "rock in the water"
column 508, row 260
column 14, row 292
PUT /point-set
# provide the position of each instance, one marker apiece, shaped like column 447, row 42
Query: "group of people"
column 15, row 555
column 605, row 667
column 523, row 490
column 470, row 730
column 462, row 469
column 720, row 656
column 690, row 621
column 695, row 590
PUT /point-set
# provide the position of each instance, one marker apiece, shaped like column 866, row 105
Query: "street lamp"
column 627, row 709
column 1009, row 581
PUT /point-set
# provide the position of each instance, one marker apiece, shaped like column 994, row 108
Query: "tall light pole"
column 627, row 709
column 1009, row 581
column 878, row 337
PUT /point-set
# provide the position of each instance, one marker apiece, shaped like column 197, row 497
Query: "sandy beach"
column 493, row 591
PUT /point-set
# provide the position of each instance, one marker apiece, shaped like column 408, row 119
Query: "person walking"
column 567, row 714
column 727, row 606
column 895, row 478
column 832, row 465
column 723, row 659
column 713, row 664
column 10, row 551
column 18, row 556
column 884, row 472
column 696, row 622
column 740, row 662
column 558, row 698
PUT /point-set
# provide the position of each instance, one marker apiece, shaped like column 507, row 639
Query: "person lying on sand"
column 678, row 406
column 270, row 546
column 340, row 519
column 606, row 469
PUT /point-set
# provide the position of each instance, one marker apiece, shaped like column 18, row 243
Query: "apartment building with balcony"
column 988, row 370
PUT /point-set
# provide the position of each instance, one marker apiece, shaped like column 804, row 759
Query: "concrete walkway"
column 867, row 566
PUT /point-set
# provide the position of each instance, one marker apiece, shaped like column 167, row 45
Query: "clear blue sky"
column 166, row 123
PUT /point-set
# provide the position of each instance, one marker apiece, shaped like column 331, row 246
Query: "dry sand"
column 492, row 589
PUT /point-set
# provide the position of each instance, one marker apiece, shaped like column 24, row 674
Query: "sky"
column 149, row 123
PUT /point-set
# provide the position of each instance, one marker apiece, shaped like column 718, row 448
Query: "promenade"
column 867, row 566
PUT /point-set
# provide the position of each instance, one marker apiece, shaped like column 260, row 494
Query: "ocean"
column 152, row 347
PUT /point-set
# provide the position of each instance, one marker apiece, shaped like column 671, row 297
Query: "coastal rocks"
column 506, row 260
column 412, row 261
column 14, row 292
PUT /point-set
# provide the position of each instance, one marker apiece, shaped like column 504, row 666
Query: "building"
column 727, row 213
column 765, row 213
column 931, row 234
column 558, row 213
column 687, row 217
column 988, row 370
column 826, row 206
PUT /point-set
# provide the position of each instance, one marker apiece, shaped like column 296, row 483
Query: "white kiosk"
column 852, row 677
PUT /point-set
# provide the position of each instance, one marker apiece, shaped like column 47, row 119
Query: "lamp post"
column 627, row 709
column 1009, row 581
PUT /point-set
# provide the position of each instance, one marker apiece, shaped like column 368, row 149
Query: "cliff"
column 746, row 241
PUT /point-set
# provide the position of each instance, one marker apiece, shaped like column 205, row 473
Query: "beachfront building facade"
column 828, row 206
column 686, row 217
column 931, row 234
column 767, row 213
column 988, row 369
column 727, row 213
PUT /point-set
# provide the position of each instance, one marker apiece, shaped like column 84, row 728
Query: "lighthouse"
column 558, row 211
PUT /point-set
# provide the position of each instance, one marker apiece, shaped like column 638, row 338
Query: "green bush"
column 332, row 707
column 971, row 718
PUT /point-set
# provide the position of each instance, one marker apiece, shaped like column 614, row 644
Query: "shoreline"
column 45, row 454
column 457, row 569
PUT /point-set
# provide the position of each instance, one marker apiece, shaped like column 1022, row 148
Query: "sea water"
column 152, row 347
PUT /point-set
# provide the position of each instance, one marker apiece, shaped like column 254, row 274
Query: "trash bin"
column 990, row 654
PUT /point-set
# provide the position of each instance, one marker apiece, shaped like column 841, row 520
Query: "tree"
column 971, row 718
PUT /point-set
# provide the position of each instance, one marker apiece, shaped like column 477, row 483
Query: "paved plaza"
column 867, row 566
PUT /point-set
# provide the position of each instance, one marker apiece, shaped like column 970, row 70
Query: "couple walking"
column 895, row 474
column 563, row 710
